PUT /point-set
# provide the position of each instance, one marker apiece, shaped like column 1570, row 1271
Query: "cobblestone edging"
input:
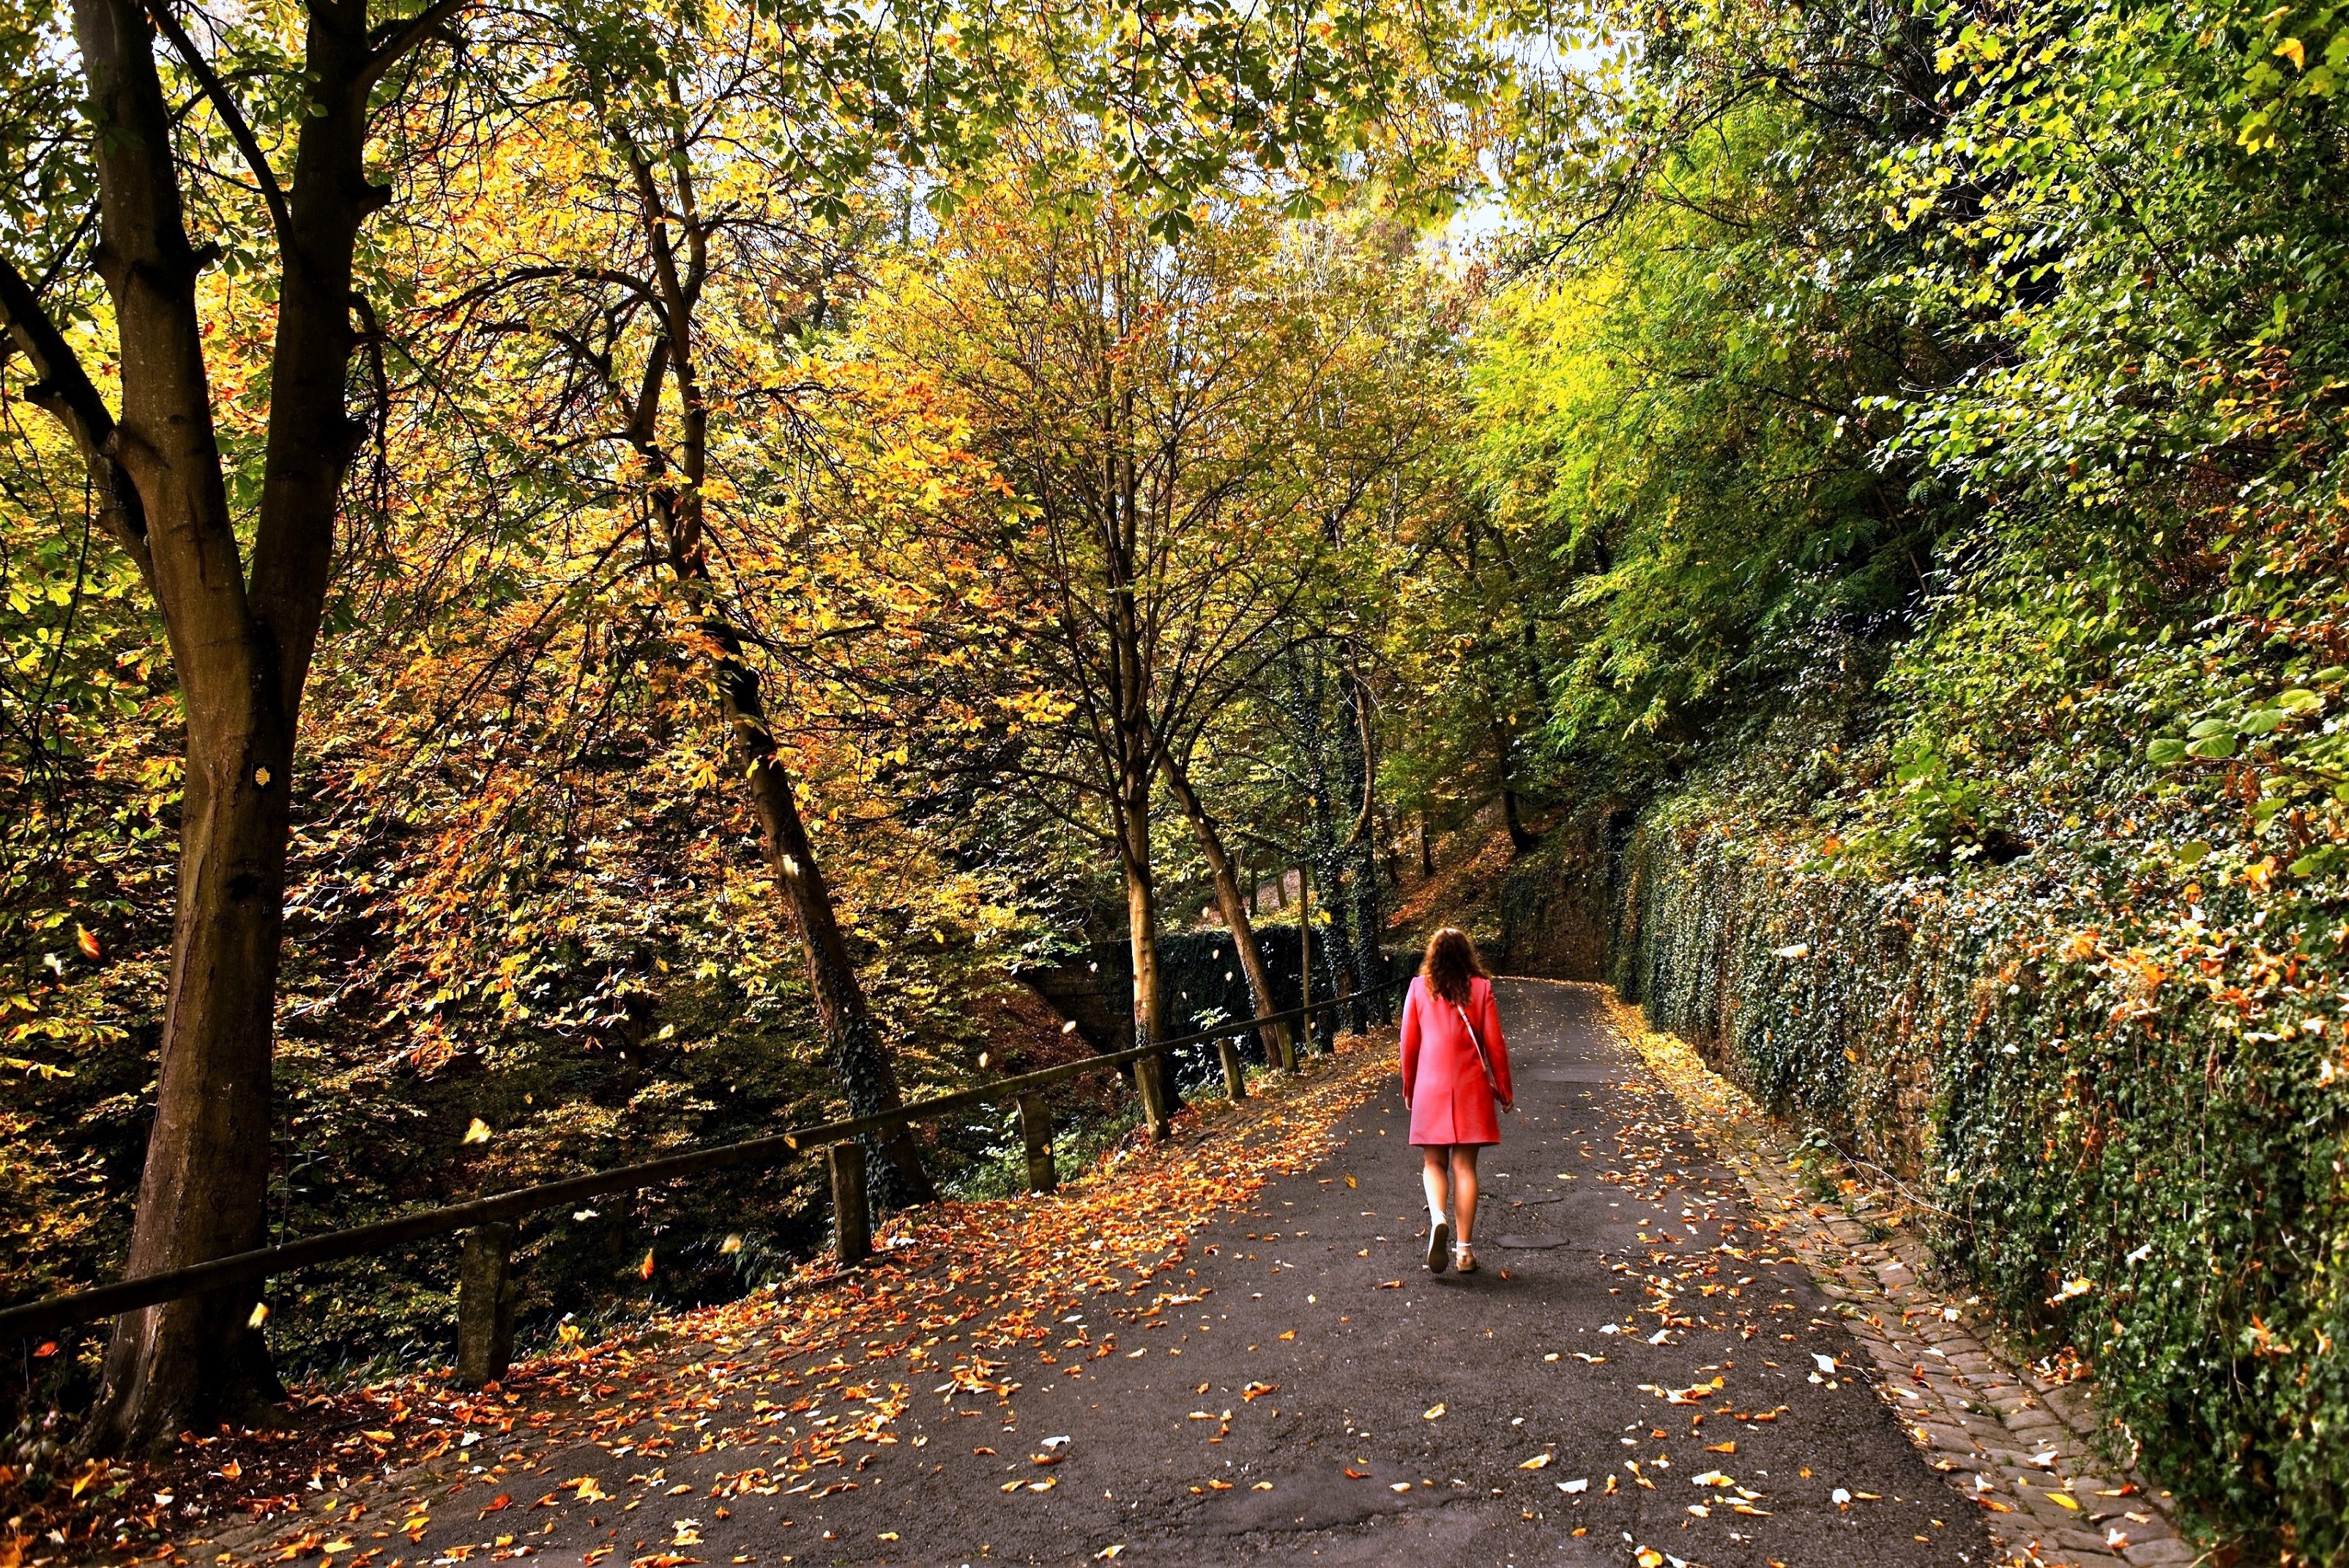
column 2024, row 1449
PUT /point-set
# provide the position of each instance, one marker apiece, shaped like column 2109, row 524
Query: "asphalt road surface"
column 1315, row 1395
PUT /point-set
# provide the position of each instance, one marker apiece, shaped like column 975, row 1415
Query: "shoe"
column 1439, row 1246
column 1462, row 1259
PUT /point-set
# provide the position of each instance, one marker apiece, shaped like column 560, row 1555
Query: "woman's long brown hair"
column 1450, row 963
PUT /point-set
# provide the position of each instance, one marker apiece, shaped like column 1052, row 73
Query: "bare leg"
column 1432, row 1173
column 1464, row 1191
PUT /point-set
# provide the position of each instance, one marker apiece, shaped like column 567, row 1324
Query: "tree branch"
column 66, row 393
column 280, row 215
column 395, row 40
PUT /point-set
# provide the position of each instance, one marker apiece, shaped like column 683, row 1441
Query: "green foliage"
column 1931, row 430
column 1679, row 421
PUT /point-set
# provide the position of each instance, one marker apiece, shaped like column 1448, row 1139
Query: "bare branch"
column 66, row 393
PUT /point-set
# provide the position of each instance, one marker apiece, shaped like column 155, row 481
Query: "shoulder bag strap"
column 1483, row 1056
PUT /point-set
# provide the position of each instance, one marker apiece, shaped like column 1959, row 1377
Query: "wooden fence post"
column 1036, row 1131
column 487, row 1292
column 851, row 1221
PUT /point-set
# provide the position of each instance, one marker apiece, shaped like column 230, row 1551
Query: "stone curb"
column 2008, row 1440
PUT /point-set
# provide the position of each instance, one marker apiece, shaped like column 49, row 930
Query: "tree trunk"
column 241, row 646
column 1305, row 953
column 1235, row 915
column 896, row 1178
column 1338, row 943
column 1142, row 933
column 1521, row 838
column 895, row 1175
column 1426, row 847
column 1357, row 854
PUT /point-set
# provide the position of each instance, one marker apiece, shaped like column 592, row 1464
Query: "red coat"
column 1442, row 1081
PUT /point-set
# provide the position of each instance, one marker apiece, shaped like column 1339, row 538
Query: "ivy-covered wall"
column 2133, row 1150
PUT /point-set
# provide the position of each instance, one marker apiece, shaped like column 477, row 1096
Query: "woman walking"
column 1455, row 1074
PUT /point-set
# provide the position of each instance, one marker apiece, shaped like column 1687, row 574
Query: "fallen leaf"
column 1539, row 1461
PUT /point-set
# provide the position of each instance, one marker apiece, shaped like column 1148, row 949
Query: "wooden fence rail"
column 487, row 1289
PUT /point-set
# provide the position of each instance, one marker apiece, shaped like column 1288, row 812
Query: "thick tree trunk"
column 240, row 647
column 1234, row 909
column 187, row 1364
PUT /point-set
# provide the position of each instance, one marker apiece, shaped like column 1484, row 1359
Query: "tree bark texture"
column 1141, row 931
column 242, row 643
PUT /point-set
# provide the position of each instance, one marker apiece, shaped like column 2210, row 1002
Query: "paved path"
column 1312, row 1394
